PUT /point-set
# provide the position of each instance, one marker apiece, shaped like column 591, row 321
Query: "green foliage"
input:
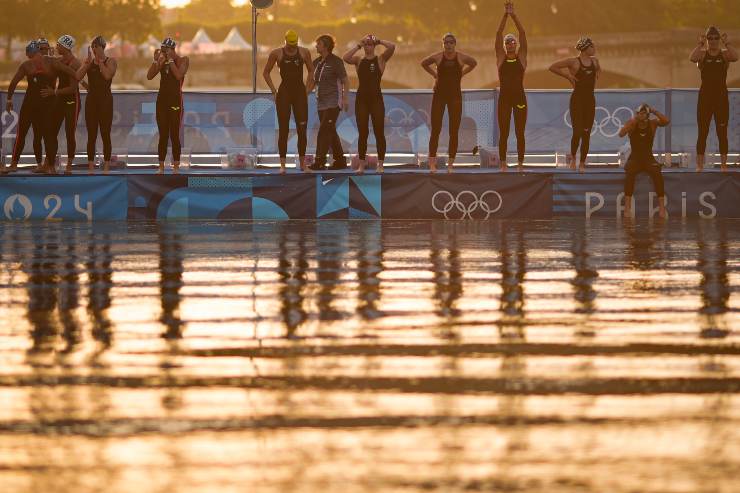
column 133, row 20
column 480, row 18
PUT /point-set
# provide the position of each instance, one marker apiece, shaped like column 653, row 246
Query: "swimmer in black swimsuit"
column 42, row 72
column 582, row 72
column 369, row 103
column 451, row 67
column 29, row 115
column 641, row 130
column 100, row 71
column 714, row 100
column 67, row 102
column 512, row 63
column 171, row 68
column 291, row 95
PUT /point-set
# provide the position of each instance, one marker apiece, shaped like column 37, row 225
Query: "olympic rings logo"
column 467, row 202
column 399, row 120
column 610, row 124
column 399, row 117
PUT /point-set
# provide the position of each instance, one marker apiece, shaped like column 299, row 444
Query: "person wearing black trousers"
column 332, row 87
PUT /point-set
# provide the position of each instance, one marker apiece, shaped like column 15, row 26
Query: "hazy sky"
column 179, row 3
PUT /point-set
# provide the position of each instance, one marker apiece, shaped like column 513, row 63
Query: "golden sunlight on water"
column 365, row 356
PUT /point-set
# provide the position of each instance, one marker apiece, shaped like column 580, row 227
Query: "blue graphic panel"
column 63, row 198
column 684, row 126
column 267, row 209
column 332, row 195
column 214, row 122
column 549, row 125
column 688, row 195
column 356, row 197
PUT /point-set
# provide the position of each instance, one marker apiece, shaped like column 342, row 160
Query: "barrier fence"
column 470, row 195
column 218, row 121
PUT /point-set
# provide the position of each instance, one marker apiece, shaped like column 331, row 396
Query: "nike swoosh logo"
column 521, row 106
column 326, row 181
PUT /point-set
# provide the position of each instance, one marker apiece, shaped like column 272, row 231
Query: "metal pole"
column 254, row 49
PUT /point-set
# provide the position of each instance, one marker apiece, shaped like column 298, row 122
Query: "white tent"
column 201, row 37
column 202, row 43
column 235, row 42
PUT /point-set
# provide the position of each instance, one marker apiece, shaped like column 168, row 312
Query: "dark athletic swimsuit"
column 369, row 105
column 291, row 96
column 447, row 93
column 512, row 99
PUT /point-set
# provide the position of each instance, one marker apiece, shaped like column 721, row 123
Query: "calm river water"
column 342, row 356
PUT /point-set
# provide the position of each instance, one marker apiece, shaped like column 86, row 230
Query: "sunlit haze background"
column 640, row 44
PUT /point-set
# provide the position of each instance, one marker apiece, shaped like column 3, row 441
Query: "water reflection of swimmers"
column 100, row 273
column 715, row 282
column 293, row 273
column 43, row 296
column 513, row 271
column 583, row 282
column 69, row 289
column 446, row 271
column 170, row 279
column 369, row 267
column 331, row 245
column 643, row 242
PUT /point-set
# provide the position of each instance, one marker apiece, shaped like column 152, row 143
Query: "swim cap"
column 449, row 35
column 67, row 41
column 643, row 107
column 169, row 43
column 712, row 31
column 509, row 37
column 584, row 43
column 291, row 37
column 42, row 41
column 98, row 41
column 32, row 48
